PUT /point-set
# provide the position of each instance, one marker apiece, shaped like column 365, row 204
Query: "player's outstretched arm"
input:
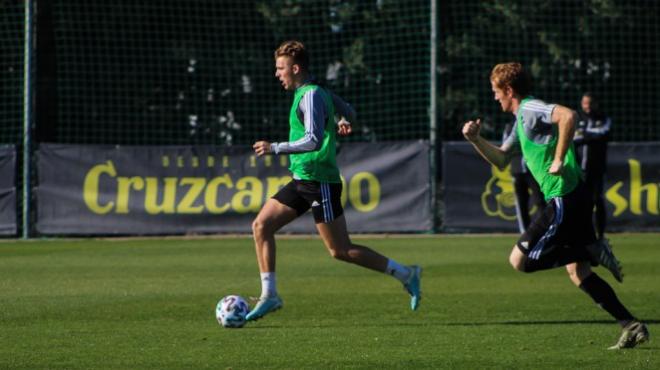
column 565, row 119
column 497, row 156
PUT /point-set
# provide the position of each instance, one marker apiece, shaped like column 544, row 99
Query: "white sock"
column 402, row 273
column 268, row 284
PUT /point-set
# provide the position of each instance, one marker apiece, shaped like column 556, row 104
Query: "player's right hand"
column 261, row 148
column 471, row 130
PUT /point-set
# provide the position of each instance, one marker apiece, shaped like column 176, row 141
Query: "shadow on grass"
column 437, row 323
column 542, row 322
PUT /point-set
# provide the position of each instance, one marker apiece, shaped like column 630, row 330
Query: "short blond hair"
column 512, row 75
column 296, row 51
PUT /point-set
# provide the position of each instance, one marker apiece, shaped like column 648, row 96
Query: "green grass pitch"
column 149, row 304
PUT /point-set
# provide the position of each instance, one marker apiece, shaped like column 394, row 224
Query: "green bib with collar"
column 539, row 158
column 319, row 165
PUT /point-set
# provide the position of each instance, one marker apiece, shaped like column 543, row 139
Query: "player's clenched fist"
column 471, row 129
column 261, row 147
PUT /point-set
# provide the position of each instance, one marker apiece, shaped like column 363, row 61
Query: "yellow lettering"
column 124, row 185
column 211, row 194
column 179, row 162
column 210, row 161
column 613, row 196
column 196, row 187
column 636, row 190
column 373, row 191
column 91, row 187
column 151, row 195
column 343, row 198
column 274, row 184
column 252, row 191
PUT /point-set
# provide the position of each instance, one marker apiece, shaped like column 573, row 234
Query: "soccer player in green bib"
column 563, row 234
column 316, row 183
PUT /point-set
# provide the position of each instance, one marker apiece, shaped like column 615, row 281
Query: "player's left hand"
column 556, row 167
column 344, row 127
column 261, row 147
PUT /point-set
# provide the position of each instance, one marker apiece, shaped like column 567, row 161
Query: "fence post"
column 28, row 51
column 433, row 114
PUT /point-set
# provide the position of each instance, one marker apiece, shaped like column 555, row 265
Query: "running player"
column 316, row 183
column 563, row 234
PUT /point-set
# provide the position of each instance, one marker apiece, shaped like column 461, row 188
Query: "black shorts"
column 324, row 199
column 565, row 221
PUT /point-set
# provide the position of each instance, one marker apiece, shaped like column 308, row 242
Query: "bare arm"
column 565, row 119
column 497, row 156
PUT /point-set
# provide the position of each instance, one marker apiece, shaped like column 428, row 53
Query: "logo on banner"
column 196, row 195
column 638, row 192
column 499, row 197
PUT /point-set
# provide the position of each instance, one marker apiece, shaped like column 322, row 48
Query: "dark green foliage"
column 201, row 72
column 607, row 47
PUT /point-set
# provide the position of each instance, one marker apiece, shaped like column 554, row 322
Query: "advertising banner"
column 142, row 190
column 632, row 186
column 8, row 225
column 480, row 197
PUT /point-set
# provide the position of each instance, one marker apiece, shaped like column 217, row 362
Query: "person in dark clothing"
column 591, row 137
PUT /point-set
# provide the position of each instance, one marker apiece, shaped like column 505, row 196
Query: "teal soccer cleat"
column 263, row 307
column 413, row 286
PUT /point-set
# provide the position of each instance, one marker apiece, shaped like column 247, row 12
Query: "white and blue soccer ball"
column 231, row 311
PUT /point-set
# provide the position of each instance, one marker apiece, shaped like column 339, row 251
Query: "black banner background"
column 479, row 197
column 8, row 225
column 217, row 189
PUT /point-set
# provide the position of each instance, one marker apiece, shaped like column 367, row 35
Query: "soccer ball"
column 231, row 311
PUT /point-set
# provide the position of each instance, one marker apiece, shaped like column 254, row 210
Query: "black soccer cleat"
column 633, row 334
column 601, row 254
